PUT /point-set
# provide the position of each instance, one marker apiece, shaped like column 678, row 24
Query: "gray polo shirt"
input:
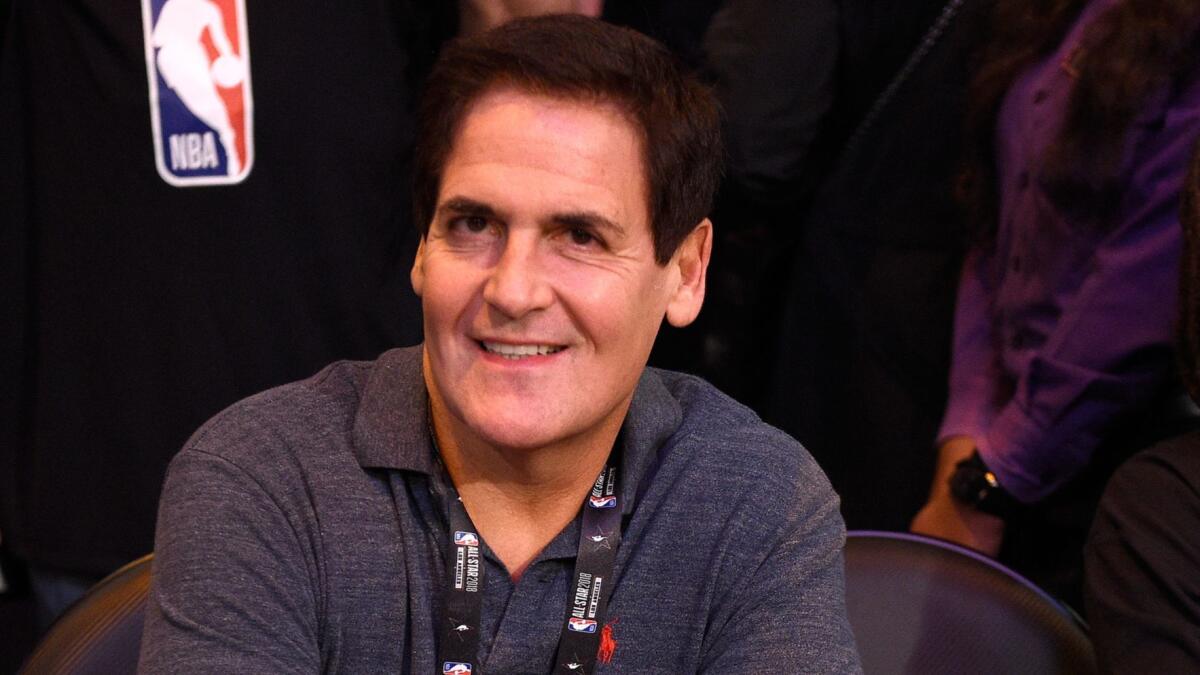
column 303, row 530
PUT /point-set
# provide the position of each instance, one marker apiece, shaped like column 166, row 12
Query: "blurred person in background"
column 1142, row 563
column 1084, row 116
column 856, row 273
column 151, row 278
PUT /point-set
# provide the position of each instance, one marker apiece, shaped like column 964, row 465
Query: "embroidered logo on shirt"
column 608, row 644
column 201, row 110
column 581, row 625
column 456, row 668
column 466, row 539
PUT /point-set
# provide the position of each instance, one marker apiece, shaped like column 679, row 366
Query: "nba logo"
column 581, row 625
column 466, row 539
column 198, row 68
column 455, row 668
column 603, row 502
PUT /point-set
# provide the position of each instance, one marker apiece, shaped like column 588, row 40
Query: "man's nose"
column 517, row 284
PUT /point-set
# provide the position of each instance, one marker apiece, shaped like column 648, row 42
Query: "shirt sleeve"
column 1141, row 588
column 225, row 595
column 788, row 612
column 975, row 372
column 1110, row 349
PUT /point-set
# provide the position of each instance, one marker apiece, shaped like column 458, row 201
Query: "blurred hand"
column 476, row 16
column 946, row 518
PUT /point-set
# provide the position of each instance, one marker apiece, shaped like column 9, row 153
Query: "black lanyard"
column 579, row 640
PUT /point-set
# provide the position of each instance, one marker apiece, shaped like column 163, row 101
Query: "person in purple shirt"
column 1087, row 112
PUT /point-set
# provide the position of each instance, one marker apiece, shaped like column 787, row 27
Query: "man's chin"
column 521, row 436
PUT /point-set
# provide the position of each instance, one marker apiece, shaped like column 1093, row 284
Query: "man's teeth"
column 520, row 351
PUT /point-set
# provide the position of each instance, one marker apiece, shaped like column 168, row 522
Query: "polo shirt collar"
column 653, row 417
column 391, row 426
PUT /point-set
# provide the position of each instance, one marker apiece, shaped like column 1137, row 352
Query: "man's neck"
column 519, row 498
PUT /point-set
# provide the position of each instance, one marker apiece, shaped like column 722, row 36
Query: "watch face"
column 967, row 483
column 973, row 484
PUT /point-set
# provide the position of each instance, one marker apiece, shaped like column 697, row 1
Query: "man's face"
column 540, row 290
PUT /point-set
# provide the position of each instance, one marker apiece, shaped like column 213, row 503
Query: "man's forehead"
column 588, row 153
column 507, row 93
column 573, row 123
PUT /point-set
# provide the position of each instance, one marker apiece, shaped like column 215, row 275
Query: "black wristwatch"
column 973, row 484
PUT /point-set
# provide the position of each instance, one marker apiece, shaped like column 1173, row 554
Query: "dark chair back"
column 921, row 605
column 100, row 634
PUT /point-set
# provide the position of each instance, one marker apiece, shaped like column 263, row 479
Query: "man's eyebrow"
column 587, row 220
column 467, row 207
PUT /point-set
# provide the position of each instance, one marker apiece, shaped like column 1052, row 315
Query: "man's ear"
column 417, row 275
column 691, row 263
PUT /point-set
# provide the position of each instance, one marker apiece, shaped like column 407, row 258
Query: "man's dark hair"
column 581, row 59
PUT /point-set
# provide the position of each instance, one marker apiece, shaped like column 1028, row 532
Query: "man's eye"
column 472, row 223
column 581, row 237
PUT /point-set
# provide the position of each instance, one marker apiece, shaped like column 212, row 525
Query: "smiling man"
column 520, row 494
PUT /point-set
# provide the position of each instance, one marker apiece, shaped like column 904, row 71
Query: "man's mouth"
column 514, row 352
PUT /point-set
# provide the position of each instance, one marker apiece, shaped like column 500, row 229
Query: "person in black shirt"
column 135, row 308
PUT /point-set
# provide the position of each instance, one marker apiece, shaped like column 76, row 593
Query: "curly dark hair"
column 1135, row 48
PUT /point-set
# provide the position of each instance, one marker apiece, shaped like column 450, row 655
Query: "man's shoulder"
column 745, row 497
column 724, row 437
column 325, row 401
column 714, row 419
column 310, row 415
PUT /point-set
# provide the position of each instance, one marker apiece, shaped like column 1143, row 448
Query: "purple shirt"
column 1063, row 327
